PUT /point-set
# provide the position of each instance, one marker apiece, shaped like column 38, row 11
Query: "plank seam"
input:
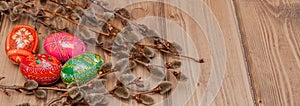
column 243, row 40
column 1, row 20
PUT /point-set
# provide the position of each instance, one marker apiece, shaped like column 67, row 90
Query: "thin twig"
column 100, row 75
column 10, row 87
column 151, row 91
column 109, row 50
column 53, row 100
column 108, row 23
column 119, row 15
column 33, row 17
column 147, row 64
column 14, row 87
column 1, row 78
column 78, row 4
column 51, row 88
column 62, row 16
column 55, row 2
column 67, row 93
column 85, row 7
column 74, row 22
column 171, row 53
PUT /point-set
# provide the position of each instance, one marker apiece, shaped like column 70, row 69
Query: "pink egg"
column 64, row 46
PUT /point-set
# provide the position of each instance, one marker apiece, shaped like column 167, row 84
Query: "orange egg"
column 21, row 42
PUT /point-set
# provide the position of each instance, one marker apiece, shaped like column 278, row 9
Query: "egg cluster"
column 21, row 49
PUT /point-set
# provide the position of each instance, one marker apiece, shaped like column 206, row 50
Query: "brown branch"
column 100, row 75
column 53, row 100
column 36, row 19
column 1, row 78
column 85, row 7
column 157, row 89
column 55, row 2
column 51, row 88
column 14, row 87
column 74, row 22
column 62, row 16
column 78, row 4
column 108, row 23
column 171, row 53
column 67, row 93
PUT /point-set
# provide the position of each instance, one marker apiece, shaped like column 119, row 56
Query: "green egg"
column 81, row 68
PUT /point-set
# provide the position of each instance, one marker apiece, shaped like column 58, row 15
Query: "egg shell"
column 81, row 68
column 64, row 46
column 43, row 68
column 21, row 42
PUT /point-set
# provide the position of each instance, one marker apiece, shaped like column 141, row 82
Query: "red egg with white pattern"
column 21, row 42
column 43, row 68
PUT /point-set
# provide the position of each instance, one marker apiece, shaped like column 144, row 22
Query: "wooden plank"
column 230, row 93
column 236, row 89
column 270, row 31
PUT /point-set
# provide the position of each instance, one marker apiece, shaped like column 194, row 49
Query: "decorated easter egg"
column 43, row 68
column 81, row 68
column 21, row 42
column 64, row 46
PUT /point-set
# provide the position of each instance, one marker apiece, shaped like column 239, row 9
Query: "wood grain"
column 270, row 32
column 236, row 88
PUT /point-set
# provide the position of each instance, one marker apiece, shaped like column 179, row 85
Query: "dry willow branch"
column 67, row 93
column 74, row 22
column 83, row 7
column 171, row 53
column 161, row 41
column 30, row 87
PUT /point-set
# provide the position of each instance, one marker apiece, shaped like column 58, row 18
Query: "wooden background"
column 262, row 47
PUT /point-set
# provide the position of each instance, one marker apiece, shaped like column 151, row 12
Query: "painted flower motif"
column 22, row 38
column 45, row 63
column 66, row 45
column 61, row 43
column 63, row 46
